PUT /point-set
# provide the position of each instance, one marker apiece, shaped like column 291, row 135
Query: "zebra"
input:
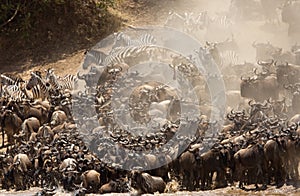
column 51, row 78
column 11, row 80
column 123, row 40
column 175, row 20
column 93, row 57
column 119, row 56
column 39, row 88
column 68, row 82
column 221, row 21
column 10, row 87
column 14, row 92
column 229, row 58
column 57, row 83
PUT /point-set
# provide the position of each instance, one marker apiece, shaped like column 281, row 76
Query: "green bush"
column 24, row 14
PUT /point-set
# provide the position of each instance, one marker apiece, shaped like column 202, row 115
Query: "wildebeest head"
column 264, row 51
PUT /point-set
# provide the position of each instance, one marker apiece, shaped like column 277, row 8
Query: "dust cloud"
column 244, row 29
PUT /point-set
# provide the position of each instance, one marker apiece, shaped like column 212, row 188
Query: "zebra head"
column 49, row 73
column 51, row 78
column 35, row 80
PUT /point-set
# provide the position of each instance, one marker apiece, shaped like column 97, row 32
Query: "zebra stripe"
column 10, row 80
column 57, row 83
column 40, row 89
column 51, row 78
column 15, row 93
column 94, row 56
column 68, row 82
column 122, row 53
column 147, row 39
column 221, row 22
column 123, row 40
column 229, row 57
column 37, row 92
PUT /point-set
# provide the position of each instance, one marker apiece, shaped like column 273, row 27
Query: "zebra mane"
column 10, row 80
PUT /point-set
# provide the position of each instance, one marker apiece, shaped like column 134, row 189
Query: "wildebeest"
column 275, row 155
column 213, row 161
column 10, row 124
column 58, row 117
column 91, row 180
column 264, row 51
column 187, row 165
column 110, row 187
column 21, row 170
column 260, row 89
column 30, row 125
column 290, row 15
column 251, row 157
column 145, row 183
column 287, row 74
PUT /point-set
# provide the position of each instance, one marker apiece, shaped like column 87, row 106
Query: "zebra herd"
column 203, row 26
column 36, row 87
column 123, row 47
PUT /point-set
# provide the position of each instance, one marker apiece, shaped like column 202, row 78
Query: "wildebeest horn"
column 259, row 63
column 250, row 103
column 288, row 87
column 270, row 101
column 297, row 84
column 64, row 102
column 265, row 105
column 80, row 77
column 255, row 71
column 293, row 126
column 230, row 116
column 232, row 112
column 245, row 79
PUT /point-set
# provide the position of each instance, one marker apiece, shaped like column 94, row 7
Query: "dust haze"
column 244, row 31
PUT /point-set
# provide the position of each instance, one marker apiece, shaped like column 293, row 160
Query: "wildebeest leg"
column 202, row 180
column 197, row 181
column 296, row 170
column 241, row 176
column 2, row 130
column 186, row 180
column 258, row 173
column 36, row 177
column 220, row 180
column 209, row 179
column 293, row 169
column 191, row 182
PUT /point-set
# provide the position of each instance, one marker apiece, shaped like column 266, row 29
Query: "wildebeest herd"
column 45, row 144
